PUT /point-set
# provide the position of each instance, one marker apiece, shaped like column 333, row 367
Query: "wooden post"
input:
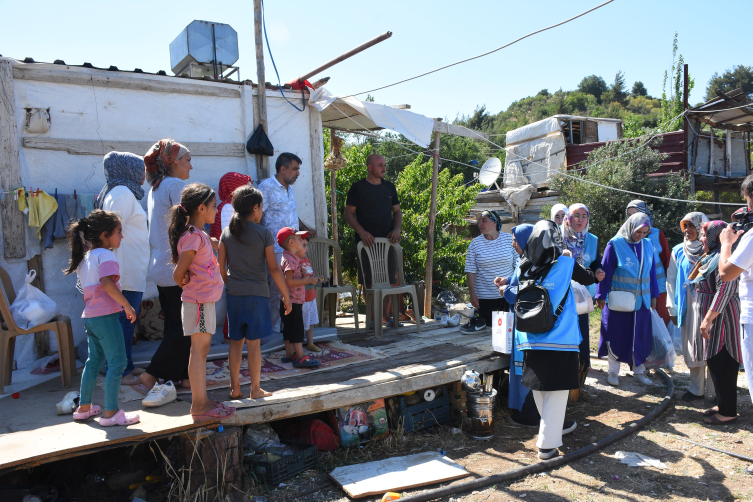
column 316, row 146
column 430, row 233
column 711, row 150
column 262, row 161
column 14, row 231
column 41, row 339
column 717, row 198
column 333, row 189
column 685, row 131
column 728, row 152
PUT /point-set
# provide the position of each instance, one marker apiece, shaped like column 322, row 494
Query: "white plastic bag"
column 663, row 353
column 584, row 304
column 32, row 307
column 676, row 335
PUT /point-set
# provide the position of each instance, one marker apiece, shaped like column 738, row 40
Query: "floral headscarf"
column 710, row 261
column 159, row 159
column 642, row 207
column 575, row 241
column 494, row 216
column 636, row 221
column 693, row 249
column 122, row 169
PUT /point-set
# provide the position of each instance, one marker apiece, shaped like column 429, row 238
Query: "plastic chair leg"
column 332, row 310
column 378, row 313
column 355, row 306
column 417, row 313
column 7, row 347
column 319, row 305
column 63, row 355
column 369, row 300
column 395, row 311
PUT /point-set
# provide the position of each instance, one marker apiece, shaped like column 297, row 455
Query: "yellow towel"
column 41, row 208
column 21, row 199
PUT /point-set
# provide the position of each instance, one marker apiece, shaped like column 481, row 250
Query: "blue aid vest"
column 590, row 251
column 661, row 275
column 625, row 277
column 565, row 336
column 684, row 267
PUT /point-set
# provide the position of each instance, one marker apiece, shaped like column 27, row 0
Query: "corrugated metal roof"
column 727, row 110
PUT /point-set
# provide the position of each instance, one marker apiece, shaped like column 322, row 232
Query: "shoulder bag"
column 624, row 301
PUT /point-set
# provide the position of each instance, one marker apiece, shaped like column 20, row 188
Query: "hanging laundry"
column 71, row 207
column 22, row 206
column 86, row 204
column 41, row 208
column 57, row 226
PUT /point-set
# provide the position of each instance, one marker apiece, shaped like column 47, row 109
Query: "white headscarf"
column 636, row 221
column 693, row 249
column 575, row 241
column 556, row 209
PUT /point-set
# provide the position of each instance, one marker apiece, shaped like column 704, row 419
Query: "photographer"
column 740, row 264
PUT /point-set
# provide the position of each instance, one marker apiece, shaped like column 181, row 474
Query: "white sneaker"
column 642, row 378
column 613, row 379
column 160, row 394
column 455, row 320
column 444, row 321
column 69, row 403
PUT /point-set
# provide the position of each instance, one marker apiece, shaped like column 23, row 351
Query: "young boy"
column 292, row 323
column 310, row 313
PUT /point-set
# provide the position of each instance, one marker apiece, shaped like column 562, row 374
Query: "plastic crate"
column 287, row 466
column 426, row 414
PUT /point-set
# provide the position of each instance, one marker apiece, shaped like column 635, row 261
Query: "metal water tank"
column 198, row 42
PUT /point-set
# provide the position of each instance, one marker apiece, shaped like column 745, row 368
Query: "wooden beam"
column 97, row 147
column 430, row 233
column 445, row 128
column 114, row 80
column 728, row 152
column 317, row 171
column 333, row 190
column 14, row 231
column 260, row 117
column 745, row 128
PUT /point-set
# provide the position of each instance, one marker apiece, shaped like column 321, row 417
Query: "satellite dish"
column 490, row 171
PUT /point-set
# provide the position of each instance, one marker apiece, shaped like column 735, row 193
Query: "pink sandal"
column 119, row 418
column 93, row 411
column 221, row 412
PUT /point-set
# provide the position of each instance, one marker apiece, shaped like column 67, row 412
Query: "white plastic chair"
column 319, row 256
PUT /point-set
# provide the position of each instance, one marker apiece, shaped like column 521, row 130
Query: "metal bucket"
column 481, row 415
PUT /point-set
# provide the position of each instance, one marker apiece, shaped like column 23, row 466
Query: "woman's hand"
column 600, row 275
column 474, row 299
column 705, row 327
column 601, row 303
column 567, row 252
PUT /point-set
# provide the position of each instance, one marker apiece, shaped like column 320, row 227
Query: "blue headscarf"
column 122, row 168
column 521, row 234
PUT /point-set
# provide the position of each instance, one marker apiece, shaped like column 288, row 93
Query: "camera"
column 743, row 220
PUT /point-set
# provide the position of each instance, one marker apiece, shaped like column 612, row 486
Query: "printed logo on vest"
column 586, row 257
column 629, row 262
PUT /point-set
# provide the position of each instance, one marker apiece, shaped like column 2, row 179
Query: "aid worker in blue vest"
column 662, row 254
column 585, row 249
column 629, row 289
column 550, row 359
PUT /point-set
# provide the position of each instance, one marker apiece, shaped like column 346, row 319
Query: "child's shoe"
column 160, row 394
column 306, row 362
column 313, row 348
column 69, row 403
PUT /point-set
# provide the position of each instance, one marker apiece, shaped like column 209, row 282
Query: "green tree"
column 594, row 85
column 638, row 89
column 672, row 105
column 738, row 77
column 620, row 165
column 617, row 92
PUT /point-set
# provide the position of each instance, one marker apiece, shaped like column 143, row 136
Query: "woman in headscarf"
column 550, row 359
column 489, row 255
column 167, row 165
column 124, row 175
column 584, row 247
column 716, row 307
column 661, row 255
column 557, row 214
column 681, row 262
column 628, row 264
column 228, row 183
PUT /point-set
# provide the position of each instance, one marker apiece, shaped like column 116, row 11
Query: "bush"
column 630, row 172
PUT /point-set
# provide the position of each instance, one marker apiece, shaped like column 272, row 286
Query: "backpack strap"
column 561, row 306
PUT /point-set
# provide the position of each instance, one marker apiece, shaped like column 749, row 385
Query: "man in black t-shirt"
column 372, row 209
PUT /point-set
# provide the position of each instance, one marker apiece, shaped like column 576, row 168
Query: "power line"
column 486, row 53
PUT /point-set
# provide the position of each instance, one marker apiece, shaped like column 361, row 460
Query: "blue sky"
column 634, row 36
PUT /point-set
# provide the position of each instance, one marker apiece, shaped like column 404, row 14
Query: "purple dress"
column 625, row 331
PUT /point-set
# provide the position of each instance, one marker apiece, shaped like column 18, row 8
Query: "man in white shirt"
column 740, row 264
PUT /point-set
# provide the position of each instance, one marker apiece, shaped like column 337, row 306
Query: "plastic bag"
column 663, row 353
column 584, row 304
column 676, row 334
column 259, row 143
column 32, row 307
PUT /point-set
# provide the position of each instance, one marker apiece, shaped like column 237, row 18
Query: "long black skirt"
column 549, row 370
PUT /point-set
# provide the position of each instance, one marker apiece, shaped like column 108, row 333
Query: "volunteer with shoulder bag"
column 626, row 293
column 740, row 264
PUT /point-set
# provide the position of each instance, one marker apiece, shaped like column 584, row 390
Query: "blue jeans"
column 134, row 299
column 105, row 343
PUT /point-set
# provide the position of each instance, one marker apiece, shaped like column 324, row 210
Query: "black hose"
column 737, row 455
column 549, row 464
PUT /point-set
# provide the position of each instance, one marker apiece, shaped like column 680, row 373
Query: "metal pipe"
column 343, row 57
column 548, row 464
column 214, row 47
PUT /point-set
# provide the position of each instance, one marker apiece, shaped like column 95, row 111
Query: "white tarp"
column 533, row 162
column 414, row 126
column 517, row 197
column 532, row 131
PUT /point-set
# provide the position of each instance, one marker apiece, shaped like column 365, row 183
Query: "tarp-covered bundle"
column 534, row 152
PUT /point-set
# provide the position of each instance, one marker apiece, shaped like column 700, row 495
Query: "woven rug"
column 333, row 355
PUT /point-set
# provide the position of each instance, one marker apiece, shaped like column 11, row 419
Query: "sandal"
column 749, row 469
column 306, row 362
column 119, row 418
column 713, row 420
column 221, row 412
column 93, row 411
column 711, row 411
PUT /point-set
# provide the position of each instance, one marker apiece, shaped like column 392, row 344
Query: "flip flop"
column 221, row 412
column 306, row 362
column 711, row 412
column 749, row 469
column 93, row 411
column 119, row 418
column 712, row 420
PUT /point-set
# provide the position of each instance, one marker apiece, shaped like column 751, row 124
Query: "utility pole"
column 260, row 109
column 430, row 233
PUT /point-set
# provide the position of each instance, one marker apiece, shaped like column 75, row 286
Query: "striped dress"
column 713, row 294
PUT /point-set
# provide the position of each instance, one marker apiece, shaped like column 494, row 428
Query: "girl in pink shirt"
column 197, row 270
column 92, row 239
